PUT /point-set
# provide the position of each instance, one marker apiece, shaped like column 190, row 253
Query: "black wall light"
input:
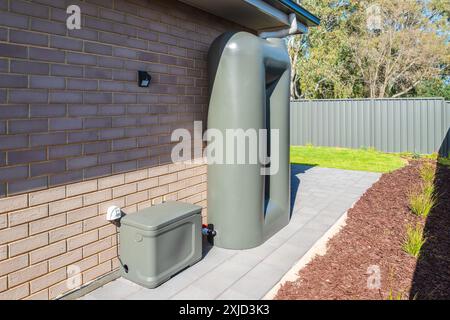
column 144, row 79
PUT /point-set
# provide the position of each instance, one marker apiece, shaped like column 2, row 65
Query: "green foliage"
column 433, row 88
column 444, row 161
column 421, row 203
column 398, row 296
column 427, row 173
column 414, row 240
column 342, row 58
column 350, row 159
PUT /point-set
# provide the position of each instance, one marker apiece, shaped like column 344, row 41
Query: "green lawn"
column 350, row 159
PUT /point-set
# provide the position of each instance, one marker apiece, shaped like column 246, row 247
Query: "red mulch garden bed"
column 373, row 236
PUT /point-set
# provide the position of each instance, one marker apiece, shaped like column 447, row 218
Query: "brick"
column 28, row 67
column 109, row 62
column 28, row 96
column 87, row 263
column 13, row 203
column 13, row 20
column 96, row 247
column 30, row 184
column 81, row 214
column 124, row 190
column 47, row 26
column 3, row 284
column 97, row 48
column 47, row 110
column 166, row 179
column 159, row 191
column 58, row 290
column 65, row 178
column 13, row 142
column 97, row 147
column 106, row 231
column 13, row 81
column 31, row 9
column 46, row 196
column 66, row 70
column 48, row 167
column 97, row 197
column 83, row 136
column 65, row 205
column 41, row 82
column 124, row 144
column 47, row 139
column 66, row 43
column 81, row 188
column 65, row 259
column 136, row 197
column 39, row 296
column 98, row 73
column 48, row 280
column 115, row 133
column 65, row 97
column 136, row 176
column 28, row 244
column 16, row 293
column 65, row 232
column 13, row 264
column 66, row 124
column 97, row 98
column 107, row 254
column 94, row 223
column 27, row 126
column 12, row 173
column 27, row 215
column 103, row 207
column 112, row 15
column 82, row 162
column 79, row 58
column 82, row 240
column 25, row 37
column 47, row 223
column 147, row 184
column 158, row 171
column 27, row 274
column 111, row 181
column 97, row 171
column 47, row 55
column 3, row 221
column 96, row 272
column 124, row 166
column 65, row 151
column 75, row 84
column 48, row 252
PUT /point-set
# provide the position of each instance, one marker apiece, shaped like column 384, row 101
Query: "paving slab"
column 320, row 197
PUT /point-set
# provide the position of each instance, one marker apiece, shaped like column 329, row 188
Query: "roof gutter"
column 295, row 28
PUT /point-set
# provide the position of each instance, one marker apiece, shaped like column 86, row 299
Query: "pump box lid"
column 161, row 215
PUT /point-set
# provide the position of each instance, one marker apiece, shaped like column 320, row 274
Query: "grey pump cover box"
column 158, row 242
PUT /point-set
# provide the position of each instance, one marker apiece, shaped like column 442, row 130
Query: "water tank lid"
column 161, row 215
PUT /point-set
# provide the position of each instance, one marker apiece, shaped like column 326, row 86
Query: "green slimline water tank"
column 158, row 242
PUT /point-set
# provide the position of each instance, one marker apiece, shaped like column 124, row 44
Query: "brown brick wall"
column 77, row 134
column 43, row 234
column 70, row 107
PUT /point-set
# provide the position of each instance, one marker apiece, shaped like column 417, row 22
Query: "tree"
column 405, row 49
column 371, row 49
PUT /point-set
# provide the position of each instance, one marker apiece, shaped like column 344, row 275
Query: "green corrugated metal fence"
column 390, row 125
